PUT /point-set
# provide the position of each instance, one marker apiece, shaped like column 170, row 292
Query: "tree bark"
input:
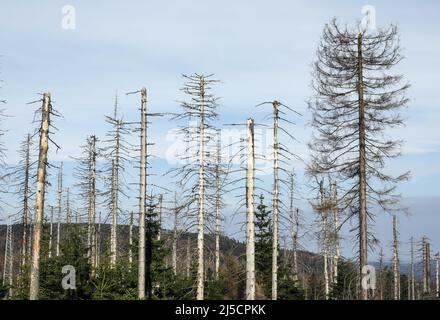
column 142, row 195
column 201, row 198
column 60, row 200
column 396, row 273
column 363, row 241
column 275, row 204
column 34, row 286
column 250, row 220
column 174, row 249
column 25, row 235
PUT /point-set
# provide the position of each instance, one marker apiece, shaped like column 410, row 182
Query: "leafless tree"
column 45, row 112
column 87, row 175
column 197, row 174
column 117, row 153
column 356, row 99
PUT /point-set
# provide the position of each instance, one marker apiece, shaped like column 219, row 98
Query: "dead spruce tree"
column 23, row 175
column 197, row 174
column 250, row 208
column 142, row 128
column 59, row 208
column 86, row 173
column 356, row 100
column 396, row 262
column 116, row 152
column 220, row 180
column 282, row 158
column 45, row 112
column 412, row 286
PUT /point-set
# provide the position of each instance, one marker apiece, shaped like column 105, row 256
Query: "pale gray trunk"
column 437, row 280
column 188, row 257
column 34, row 286
column 294, row 225
column 217, row 211
column 160, row 209
column 336, row 234
column 142, row 195
column 25, row 236
column 324, row 242
column 60, row 200
column 250, row 220
column 130, row 240
column 396, row 264
column 363, row 240
column 275, row 204
column 412, row 276
column 114, row 206
column 50, row 232
column 93, row 208
column 174, row 248
column 201, row 199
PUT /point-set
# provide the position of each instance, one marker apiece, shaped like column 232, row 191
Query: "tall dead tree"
column 142, row 194
column 356, row 100
column 336, row 239
column 116, row 152
column 396, row 262
column 219, row 183
column 130, row 240
column 281, row 155
column 22, row 175
column 8, row 269
column 426, row 256
column 294, row 227
column 437, row 280
column 49, row 254
column 159, row 216
column 250, row 207
column 412, row 287
column 46, row 112
column 381, row 280
column 86, row 173
column 196, row 174
column 60, row 208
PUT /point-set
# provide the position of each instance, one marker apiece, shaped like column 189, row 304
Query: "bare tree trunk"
column 8, row 260
column 34, row 286
column 25, row 235
column 159, row 216
column 363, row 240
column 275, row 204
column 114, row 216
column 325, row 241
column 411, row 289
column 60, row 200
column 142, row 195
column 130, row 240
column 98, row 242
column 174, row 250
column 396, row 264
column 201, row 199
column 250, row 220
column 428, row 267
column 294, row 226
column 50, row 232
column 381, row 274
column 437, row 280
column 68, row 208
column 336, row 234
column 188, row 257
column 217, row 210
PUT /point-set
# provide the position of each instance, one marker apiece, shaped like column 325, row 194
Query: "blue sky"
column 260, row 50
